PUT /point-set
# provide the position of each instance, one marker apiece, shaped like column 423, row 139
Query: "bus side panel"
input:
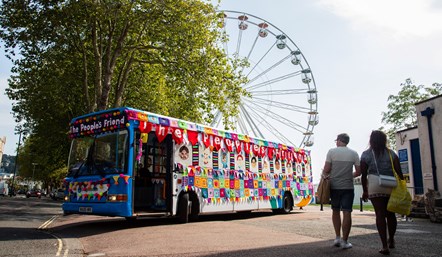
column 222, row 206
column 246, row 206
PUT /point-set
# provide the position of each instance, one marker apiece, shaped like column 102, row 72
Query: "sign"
column 404, row 168
column 403, row 155
column 98, row 124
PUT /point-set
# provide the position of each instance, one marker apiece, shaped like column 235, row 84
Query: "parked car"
column 33, row 193
column 57, row 194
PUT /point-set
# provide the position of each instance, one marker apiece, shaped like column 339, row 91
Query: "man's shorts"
column 342, row 199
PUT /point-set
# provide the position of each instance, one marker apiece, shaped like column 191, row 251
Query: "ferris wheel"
column 282, row 101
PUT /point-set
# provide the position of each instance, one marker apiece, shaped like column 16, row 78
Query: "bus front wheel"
column 183, row 209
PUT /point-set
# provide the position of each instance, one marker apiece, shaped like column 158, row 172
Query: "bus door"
column 152, row 187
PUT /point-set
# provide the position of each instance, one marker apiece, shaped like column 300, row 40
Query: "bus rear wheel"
column 287, row 203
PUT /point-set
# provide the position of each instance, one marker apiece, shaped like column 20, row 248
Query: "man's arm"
column 327, row 168
column 357, row 172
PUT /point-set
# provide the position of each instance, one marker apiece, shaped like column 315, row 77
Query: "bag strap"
column 392, row 165
column 375, row 162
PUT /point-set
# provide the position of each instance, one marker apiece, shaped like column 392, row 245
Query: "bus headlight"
column 117, row 198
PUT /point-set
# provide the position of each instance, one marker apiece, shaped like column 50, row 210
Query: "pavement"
column 307, row 232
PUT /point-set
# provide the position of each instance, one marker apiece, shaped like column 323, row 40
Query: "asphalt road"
column 307, row 232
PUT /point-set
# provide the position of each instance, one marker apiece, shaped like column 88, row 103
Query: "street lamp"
column 33, row 171
column 16, row 162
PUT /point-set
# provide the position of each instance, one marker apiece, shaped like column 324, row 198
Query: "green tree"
column 74, row 57
column 401, row 112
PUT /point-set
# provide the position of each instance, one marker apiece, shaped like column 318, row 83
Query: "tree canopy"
column 401, row 113
column 74, row 57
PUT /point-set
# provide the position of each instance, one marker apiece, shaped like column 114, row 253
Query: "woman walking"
column 378, row 159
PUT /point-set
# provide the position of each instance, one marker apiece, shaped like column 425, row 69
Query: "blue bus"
column 131, row 163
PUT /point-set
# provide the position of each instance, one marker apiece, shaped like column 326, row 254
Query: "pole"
column 428, row 113
column 15, row 166
column 33, row 171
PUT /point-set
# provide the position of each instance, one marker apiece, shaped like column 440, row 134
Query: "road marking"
column 60, row 245
column 66, row 253
column 47, row 223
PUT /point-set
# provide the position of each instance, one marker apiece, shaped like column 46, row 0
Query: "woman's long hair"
column 378, row 142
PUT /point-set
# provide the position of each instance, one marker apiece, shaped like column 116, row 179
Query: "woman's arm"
column 364, row 168
column 397, row 167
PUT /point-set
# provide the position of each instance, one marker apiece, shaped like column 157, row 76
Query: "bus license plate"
column 85, row 209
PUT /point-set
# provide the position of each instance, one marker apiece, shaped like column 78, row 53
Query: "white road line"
column 66, row 252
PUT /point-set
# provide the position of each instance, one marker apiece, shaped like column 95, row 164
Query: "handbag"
column 385, row 180
column 400, row 198
column 323, row 192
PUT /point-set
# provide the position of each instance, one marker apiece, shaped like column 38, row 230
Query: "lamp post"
column 33, row 171
column 16, row 161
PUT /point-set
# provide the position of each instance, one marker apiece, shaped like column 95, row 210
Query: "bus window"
column 104, row 154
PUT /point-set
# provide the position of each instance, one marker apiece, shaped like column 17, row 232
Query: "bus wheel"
column 287, row 204
column 183, row 208
column 194, row 207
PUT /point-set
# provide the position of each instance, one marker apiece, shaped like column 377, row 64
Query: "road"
column 305, row 232
column 22, row 223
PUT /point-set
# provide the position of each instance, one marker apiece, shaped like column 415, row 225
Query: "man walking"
column 339, row 165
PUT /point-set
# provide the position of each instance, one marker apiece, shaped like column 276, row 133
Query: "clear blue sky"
column 359, row 51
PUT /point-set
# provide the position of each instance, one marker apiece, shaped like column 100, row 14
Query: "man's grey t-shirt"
column 342, row 160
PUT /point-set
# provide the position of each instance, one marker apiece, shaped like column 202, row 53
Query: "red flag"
column 206, row 139
column 238, row 146
column 161, row 132
column 255, row 150
column 283, row 154
column 270, row 151
column 246, row 147
column 262, row 151
column 217, row 142
column 145, row 127
column 192, row 136
column 177, row 135
column 277, row 153
column 229, row 144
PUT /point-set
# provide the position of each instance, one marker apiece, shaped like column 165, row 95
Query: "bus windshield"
column 99, row 155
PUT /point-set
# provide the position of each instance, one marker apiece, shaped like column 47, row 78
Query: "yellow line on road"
column 47, row 223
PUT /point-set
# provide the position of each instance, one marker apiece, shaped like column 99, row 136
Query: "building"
column 420, row 148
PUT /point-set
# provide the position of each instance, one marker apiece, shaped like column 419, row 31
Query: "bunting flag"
column 192, row 136
column 161, row 132
column 270, row 151
column 116, row 179
column 277, row 153
column 177, row 136
column 229, row 144
column 206, row 139
column 238, row 146
column 246, row 146
column 217, row 142
column 255, row 150
column 145, row 127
